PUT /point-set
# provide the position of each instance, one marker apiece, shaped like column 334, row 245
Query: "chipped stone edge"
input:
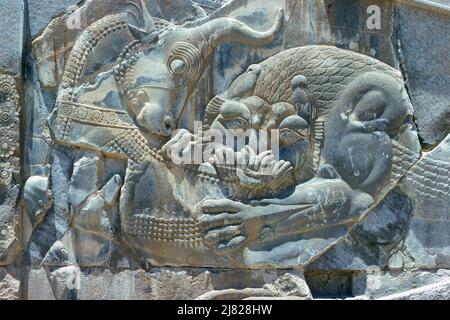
column 416, row 293
column 428, row 5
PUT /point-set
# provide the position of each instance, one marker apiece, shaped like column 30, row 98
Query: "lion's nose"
column 233, row 109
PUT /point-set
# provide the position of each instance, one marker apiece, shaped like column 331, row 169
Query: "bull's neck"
column 155, row 141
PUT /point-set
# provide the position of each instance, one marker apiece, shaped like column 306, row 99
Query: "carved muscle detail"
column 182, row 54
column 87, row 42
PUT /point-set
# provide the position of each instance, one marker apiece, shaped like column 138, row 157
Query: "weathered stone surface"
column 12, row 35
column 41, row 12
column 441, row 6
column 371, row 242
column 287, row 286
column 181, row 284
column 428, row 183
column 336, row 285
column 424, row 40
column 255, row 241
column 374, row 283
column 437, row 291
column 380, row 284
column 38, row 286
column 338, row 23
column 9, row 284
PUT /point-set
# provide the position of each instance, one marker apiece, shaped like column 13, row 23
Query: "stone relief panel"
column 343, row 121
column 217, row 135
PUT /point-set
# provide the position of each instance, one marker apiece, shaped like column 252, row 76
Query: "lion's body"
column 328, row 71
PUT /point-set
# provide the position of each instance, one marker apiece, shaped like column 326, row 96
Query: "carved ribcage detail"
column 132, row 145
column 430, row 178
column 402, row 161
column 179, row 232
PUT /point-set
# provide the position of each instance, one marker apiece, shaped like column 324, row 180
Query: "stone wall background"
column 35, row 43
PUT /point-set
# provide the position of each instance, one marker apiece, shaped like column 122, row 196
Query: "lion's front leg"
column 323, row 201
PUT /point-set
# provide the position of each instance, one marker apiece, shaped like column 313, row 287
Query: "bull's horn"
column 148, row 20
column 227, row 29
column 142, row 7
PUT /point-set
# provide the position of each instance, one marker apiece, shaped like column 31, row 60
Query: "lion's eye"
column 178, row 66
column 235, row 123
column 293, row 129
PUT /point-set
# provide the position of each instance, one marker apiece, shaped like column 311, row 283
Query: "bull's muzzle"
column 152, row 120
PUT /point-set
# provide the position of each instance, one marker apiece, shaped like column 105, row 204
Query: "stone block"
column 12, row 35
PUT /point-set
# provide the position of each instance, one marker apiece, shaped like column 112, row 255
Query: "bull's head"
column 165, row 75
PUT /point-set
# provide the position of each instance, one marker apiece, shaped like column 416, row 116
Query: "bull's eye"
column 178, row 66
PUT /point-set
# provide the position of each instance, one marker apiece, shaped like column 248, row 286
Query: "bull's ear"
column 143, row 15
column 142, row 34
column 137, row 32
